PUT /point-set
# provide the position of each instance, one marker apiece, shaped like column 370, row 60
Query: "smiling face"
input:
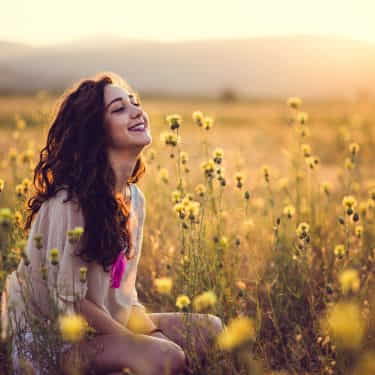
column 121, row 114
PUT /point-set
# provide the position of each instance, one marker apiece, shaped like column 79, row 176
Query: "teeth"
column 139, row 126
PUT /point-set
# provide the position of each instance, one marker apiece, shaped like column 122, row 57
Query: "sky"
column 49, row 22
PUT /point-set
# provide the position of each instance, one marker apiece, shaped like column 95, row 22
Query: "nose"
column 138, row 112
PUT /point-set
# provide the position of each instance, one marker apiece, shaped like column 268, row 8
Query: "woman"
column 86, row 177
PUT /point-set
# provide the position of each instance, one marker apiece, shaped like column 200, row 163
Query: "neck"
column 123, row 164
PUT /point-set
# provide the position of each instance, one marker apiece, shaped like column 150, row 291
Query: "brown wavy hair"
column 75, row 158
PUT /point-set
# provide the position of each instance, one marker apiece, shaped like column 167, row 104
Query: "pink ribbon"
column 117, row 270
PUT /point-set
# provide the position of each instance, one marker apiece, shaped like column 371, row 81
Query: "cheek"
column 116, row 130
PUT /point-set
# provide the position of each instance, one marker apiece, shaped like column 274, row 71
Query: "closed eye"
column 119, row 109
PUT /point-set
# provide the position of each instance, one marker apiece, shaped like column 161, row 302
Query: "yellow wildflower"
column 19, row 190
column 200, row 190
column 163, row 285
column 218, row 154
column 73, row 327
column 310, row 162
column 223, row 241
column 184, row 157
column 339, row 250
column 192, row 210
column 182, row 301
column 302, row 117
column 354, row 148
column 302, row 230
column 289, row 211
column 169, row 138
column 208, row 167
column 54, row 255
column 349, row 281
column 75, row 234
column 326, row 187
column 198, row 118
column 306, row 149
column 174, row 121
column 176, row 196
column 345, row 325
column 2, row 184
column 349, row 164
column 349, row 202
column 238, row 331
column 204, row 300
column 358, row 230
column 82, row 274
column 208, row 122
column 164, row 175
column 294, row 102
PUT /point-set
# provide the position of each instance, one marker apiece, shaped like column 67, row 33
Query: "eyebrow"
column 117, row 99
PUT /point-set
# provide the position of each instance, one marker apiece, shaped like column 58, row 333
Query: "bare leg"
column 143, row 355
column 204, row 329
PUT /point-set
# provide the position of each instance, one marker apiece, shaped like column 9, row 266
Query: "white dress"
column 53, row 220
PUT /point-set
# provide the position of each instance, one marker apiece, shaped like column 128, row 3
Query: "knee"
column 216, row 324
column 172, row 363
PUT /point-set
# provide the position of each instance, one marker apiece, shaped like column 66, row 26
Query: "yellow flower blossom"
column 349, row 202
column 208, row 122
column 73, row 327
column 200, row 190
column 198, row 118
column 163, row 285
column 169, row 138
column 208, row 167
column 164, row 175
column 302, row 230
column 294, row 102
column 204, row 300
column 326, row 187
column 358, row 230
column 176, row 196
column 339, row 250
column 354, row 148
column 302, row 117
column 82, row 274
column 174, row 121
column 306, row 150
column 345, row 325
column 349, row 165
column 289, row 211
column 184, row 157
column 349, row 281
column 2, row 184
column 238, row 331
column 54, row 256
column 182, row 301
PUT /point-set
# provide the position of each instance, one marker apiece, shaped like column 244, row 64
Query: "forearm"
column 99, row 319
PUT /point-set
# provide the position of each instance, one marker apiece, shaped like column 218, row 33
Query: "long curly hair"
column 75, row 158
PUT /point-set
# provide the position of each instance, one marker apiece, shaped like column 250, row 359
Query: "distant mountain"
column 260, row 67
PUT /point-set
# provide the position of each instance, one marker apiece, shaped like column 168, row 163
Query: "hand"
column 160, row 336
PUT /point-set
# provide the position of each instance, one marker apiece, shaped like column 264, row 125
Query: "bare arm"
column 99, row 319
